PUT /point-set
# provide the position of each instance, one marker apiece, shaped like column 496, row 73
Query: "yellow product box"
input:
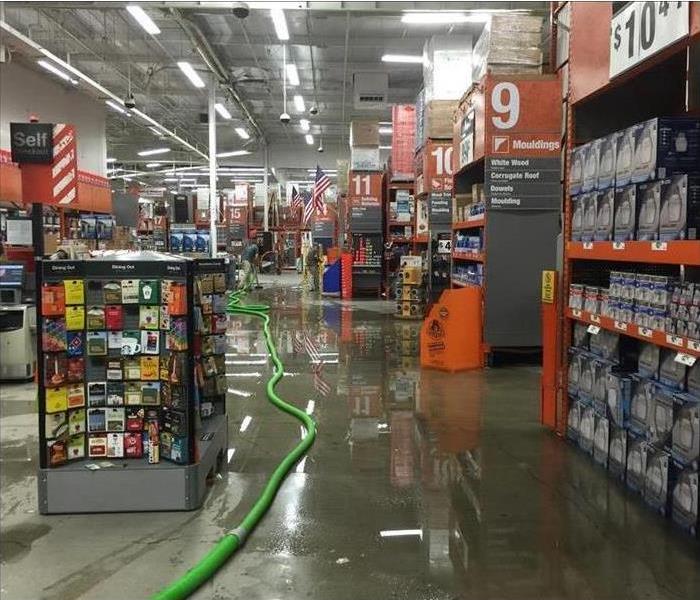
column 56, row 399
column 75, row 291
column 149, row 368
column 75, row 318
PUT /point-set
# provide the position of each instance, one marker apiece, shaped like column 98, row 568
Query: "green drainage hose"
column 228, row 544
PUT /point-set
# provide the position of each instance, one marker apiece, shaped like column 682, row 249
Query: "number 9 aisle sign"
column 641, row 29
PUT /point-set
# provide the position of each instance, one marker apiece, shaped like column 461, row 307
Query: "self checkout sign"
column 31, row 142
column 641, row 29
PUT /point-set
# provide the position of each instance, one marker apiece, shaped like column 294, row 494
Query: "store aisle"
column 421, row 485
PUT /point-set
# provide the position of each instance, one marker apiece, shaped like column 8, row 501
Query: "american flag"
column 296, row 198
column 308, row 209
column 298, row 343
column 321, row 184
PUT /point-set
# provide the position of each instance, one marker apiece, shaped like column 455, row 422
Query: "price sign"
column 676, row 340
column 588, row 245
column 645, row 332
column 619, row 325
column 444, row 246
column 685, row 359
column 593, row 329
column 618, row 245
column 659, row 246
column 693, row 346
column 641, row 29
column 595, row 318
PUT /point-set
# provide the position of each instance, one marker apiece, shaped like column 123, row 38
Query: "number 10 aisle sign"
column 642, row 29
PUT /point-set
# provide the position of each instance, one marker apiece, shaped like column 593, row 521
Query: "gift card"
column 134, row 418
column 150, row 394
column 75, row 344
column 114, row 369
column 165, row 285
column 115, row 419
column 132, row 393
column 219, row 280
column 148, row 291
column 53, row 300
column 149, row 368
column 115, row 393
column 75, row 318
column 75, row 395
column 150, row 342
column 114, row 340
column 96, row 419
column 133, row 445
column 55, row 365
column 206, row 283
column 95, row 317
column 56, row 399
column 54, row 335
column 55, row 425
column 177, row 300
column 97, row 446
column 76, row 369
column 76, row 447
column 97, row 393
column 112, row 291
column 149, row 317
column 130, row 291
column 219, row 303
column 164, row 318
column 131, row 343
column 75, row 291
column 76, row 421
column 115, row 445
column 177, row 336
column 220, row 323
column 114, row 317
column 97, row 343
column 57, row 452
column 132, row 368
column 94, row 292
column 207, row 304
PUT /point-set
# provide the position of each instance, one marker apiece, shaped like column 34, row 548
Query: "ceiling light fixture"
column 222, row 110
column 292, row 74
column 280, row 23
column 442, row 18
column 143, row 19
column 309, row 139
column 402, row 58
column 191, row 74
column 242, row 133
column 114, row 106
column 385, row 147
column 152, row 165
column 401, row 533
column 232, row 153
column 304, row 124
column 299, row 103
column 170, row 179
column 154, row 151
column 56, row 71
column 109, row 160
column 155, row 131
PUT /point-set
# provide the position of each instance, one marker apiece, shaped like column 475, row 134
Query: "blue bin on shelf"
column 331, row 279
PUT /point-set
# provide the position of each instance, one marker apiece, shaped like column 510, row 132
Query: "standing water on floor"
column 421, row 485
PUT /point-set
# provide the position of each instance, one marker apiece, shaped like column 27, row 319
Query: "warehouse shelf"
column 660, row 338
column 676, row 252
column 473, row 167
column 473, row 256
column 459, row 283
column 477, row 221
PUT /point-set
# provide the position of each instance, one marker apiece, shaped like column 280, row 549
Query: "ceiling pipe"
column 212, row 61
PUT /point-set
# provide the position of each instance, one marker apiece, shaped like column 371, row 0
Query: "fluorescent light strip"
column 222, row 110
column 309, row 139
column 304, row 124
column 299, row 103
column 242, row 133
column 232, row 153
column 245, row 423
column 191, row 74
column 402, row 58
column 385, row 147
column 56, row 71
column 442, row 18
column 114, row 106
column 143, row 19
column 155, row 131
column 280, row 23
column 388, row 533
column 154, row 151
column 92, row 83
column 292, row 74
column 152, row 165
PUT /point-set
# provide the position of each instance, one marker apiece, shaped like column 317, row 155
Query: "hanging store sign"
column 323, row 228
column 31, row 142
column 641, row 29
column 440, row 208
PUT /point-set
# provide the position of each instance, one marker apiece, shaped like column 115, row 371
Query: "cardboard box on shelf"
column 364, row 133
column 438, row 117
column 364, row 159
column 447, row 66
column 403, row 120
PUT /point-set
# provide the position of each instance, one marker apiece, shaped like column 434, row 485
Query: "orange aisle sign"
column 450, row 337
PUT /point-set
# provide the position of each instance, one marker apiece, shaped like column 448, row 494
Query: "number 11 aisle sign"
column 642, row 29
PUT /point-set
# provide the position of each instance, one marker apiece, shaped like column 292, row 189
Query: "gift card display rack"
column 131, row 383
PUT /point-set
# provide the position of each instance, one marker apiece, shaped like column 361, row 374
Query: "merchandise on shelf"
column 447, row 68
column 403, row 121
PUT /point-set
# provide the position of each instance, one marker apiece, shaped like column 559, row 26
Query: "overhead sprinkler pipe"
column 234, row 539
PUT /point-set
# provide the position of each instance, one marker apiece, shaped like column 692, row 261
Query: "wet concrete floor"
column 421, row 485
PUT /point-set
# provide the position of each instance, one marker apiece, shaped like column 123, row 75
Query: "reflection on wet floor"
column 421, row 485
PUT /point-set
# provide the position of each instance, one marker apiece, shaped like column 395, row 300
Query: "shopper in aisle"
column 313, row 266
column 251, row 260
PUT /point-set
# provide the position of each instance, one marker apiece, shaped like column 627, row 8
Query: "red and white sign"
column 64, row 170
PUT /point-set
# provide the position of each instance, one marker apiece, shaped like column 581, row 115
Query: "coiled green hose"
column 235, row 538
